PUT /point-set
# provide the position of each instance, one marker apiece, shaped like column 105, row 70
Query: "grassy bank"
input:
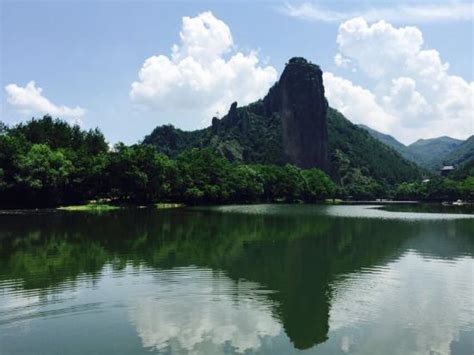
column 90, row 207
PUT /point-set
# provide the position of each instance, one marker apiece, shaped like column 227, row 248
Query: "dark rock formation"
column 299, row 98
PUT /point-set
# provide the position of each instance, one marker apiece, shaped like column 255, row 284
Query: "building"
column 445, row 170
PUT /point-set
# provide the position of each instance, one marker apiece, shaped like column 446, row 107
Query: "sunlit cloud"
column 412, row 93
column 203, row 74
column 31, row 100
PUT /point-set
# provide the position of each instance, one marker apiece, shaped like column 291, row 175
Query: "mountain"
column 292, row 124
column 375, row 159
column 464, row 171
column 288, row 126
column 462, row 154
column 391, row 142
column 432, row 153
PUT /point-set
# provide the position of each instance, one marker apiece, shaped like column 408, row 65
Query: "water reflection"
column 265, row 279
column 438, row 304
column 205, row 312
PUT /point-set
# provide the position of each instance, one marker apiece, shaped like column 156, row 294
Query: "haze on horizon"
column 127, row 67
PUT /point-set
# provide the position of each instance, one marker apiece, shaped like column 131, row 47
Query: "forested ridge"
column 48, row 162
column 431, row 154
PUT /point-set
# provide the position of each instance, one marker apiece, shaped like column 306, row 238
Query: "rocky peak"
column 299, row 99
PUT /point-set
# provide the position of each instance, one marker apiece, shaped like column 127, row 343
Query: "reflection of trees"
column 295, row 255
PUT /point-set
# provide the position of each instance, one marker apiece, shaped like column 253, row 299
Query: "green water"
column 269, row 279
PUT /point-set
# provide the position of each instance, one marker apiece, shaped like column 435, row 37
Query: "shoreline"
column 169, row 205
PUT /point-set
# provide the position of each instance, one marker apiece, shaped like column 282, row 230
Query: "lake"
column 270, row 279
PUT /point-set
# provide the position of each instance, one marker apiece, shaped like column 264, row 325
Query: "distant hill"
column 432, row 153
column 391, row 142
column 462, row 154
column 292, row 124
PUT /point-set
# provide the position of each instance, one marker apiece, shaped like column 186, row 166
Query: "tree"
column 3, row 128
column 467, row 189
column 203, row 171
column 318, row 185
column 138, row 173
column 442, row 189
column 248, row 184
column 43, row 174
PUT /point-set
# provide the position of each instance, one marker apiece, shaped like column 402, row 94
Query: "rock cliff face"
column 299, row 98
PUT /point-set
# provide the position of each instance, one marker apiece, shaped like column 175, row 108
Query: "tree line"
column 48, row 162
column 437, row 190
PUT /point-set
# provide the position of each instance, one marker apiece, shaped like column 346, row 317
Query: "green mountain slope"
column 391, row 142
column 462, row 154
column 365, row 152
column 465, row 170
column 262, row 143
column 430, row 153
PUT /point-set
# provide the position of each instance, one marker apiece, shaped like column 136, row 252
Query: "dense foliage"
column 458, row 185
column 437, row 190
column 359, row 158
column 463, row 154
column 47, row 162
column 244, row 135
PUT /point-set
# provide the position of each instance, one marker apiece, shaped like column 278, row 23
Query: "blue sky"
column 85, row 56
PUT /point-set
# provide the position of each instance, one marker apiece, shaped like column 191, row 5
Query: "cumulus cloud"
column 403, row 13
column 342, row 62
column 356, row 103
column 413, row 93
column 203, row 75
column 30, row 100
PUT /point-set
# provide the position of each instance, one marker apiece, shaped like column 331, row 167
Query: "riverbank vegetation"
column 48, row 162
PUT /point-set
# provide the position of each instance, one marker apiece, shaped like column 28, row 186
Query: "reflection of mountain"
column 297, row 255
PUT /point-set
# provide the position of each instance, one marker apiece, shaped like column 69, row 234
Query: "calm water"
column 240, row 279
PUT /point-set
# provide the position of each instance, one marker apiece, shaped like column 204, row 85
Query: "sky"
column 405, row 68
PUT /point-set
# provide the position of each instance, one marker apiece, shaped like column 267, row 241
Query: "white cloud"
column 403, row 13
column 342, row 62
column 404, row 100
column 413, row 95
column 197, row 80
column 30, row 100
column 356, row 103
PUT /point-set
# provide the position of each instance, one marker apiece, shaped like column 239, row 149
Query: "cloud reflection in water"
column 204, row 311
